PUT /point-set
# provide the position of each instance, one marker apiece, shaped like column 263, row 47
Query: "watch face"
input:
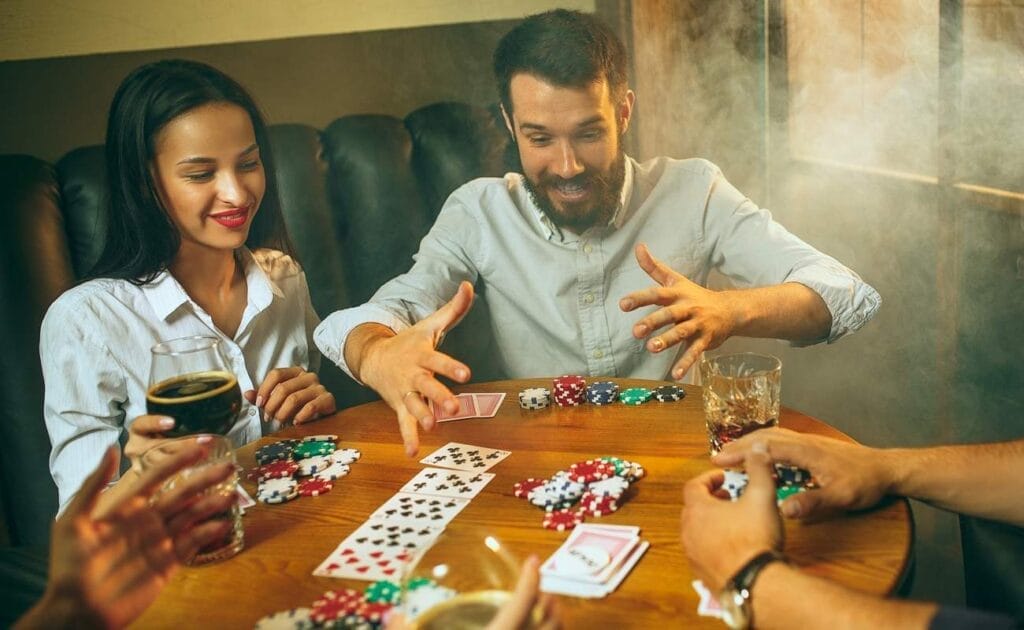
column 734, row 613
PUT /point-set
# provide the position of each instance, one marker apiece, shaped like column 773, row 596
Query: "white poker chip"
column 332, row 472
column 582, row 560
column 735, row 482
column 320, row 438
column 294, row 619
column 277, row 490
column 610, row 487
column 346, row 456
column 314, row 464
column 418, row 601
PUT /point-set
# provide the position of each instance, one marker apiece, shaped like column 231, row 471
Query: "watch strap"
column 745, row 577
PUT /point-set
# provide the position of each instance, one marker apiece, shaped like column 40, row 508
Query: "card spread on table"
column 470, row 406
column 593, row 561
column 378, row 550
column 448, row 483
column 465, row 457
column 419, row 509
column 243, row 499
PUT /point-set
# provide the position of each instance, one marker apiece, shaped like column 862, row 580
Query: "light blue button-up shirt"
column 553, row 295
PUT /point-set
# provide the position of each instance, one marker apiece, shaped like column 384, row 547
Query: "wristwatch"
column 735, row 597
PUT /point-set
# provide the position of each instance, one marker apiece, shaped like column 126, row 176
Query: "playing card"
column 487, row 404
column 590, row 555
column 448, row 483
column 576, row 588
column 467, row 409
column 378, row 550
column 708, row 606
column 419, row 509
column 465, row 457
column 243, row 499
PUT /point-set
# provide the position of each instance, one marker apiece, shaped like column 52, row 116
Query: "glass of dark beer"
column 190, row 382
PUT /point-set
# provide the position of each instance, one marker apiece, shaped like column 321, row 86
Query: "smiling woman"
column 195, row 246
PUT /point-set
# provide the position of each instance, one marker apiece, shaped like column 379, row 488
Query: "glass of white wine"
column 461, row 582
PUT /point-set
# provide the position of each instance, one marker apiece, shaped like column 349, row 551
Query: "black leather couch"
column 357, row 198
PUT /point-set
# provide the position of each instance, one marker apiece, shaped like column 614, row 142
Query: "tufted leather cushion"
column 34, row 269
column 83, row 184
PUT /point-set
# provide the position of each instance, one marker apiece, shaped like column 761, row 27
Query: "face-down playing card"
column 448, row 483
column 465, row 457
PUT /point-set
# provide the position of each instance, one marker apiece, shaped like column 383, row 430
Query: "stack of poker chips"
column 669, row 393
column 534, row 398
column 570, row 390
column 635, row 395
column 602, row 393
column 588, row 488
column 315, row 459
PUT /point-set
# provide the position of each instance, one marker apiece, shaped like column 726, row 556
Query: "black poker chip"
column 669, row 393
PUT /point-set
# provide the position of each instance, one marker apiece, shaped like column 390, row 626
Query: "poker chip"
column 598, row 505
column 534, row 398
column 353, row 622
column 273, row 452
column 334, row 605
column 314, row 487
column 346, row 456
column 523, row 488
column 735, row 482
column 421, row 599
column 320, row 438
column 418, row 582
column 669, row 393
column 556, row 494
column 312, row 449
column 602, row 393
column 562, row 520
column 383, row 591
column 277, row 490
column 294, row 619
column 312, row 465
column 789, row 475
column 569, row 390
column 332, row 472
column 635, row 396
column 590, row 470
column 279, row 469
column 614, row 487
column 783, row 493
column 373, row 612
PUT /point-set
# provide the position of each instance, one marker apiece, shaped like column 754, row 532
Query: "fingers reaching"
column 86, row 498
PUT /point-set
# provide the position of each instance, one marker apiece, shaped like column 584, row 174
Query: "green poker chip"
column 635, row 395
column 418, row 582
column 312, row 449
column 383, row 592
column 784, row 492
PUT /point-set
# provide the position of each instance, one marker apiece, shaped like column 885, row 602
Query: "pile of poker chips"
column 534, row 398
column 315, row 459
column 588, row 488
column 570, row 390
column 789, row 480
column 349, row 608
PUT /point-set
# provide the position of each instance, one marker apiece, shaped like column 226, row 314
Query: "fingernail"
column 166, row 423
column 259, row 401
column 657, row 344
column 759, row 447
column 451, row 406
column 626, row 304
column 204, row 439
column 678, row 374
column 425, row 421
column 641, row 330
column 461, row 374
column 791, row 509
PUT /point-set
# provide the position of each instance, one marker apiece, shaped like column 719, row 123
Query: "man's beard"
column 606, row 193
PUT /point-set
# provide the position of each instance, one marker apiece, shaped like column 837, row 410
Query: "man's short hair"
column 565, row 48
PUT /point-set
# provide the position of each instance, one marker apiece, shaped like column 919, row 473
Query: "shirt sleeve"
column 753, row 250
column 450, row 253
column 85, row 388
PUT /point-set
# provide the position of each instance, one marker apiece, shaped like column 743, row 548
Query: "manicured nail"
column 626, row 305
column 641, row 330
column 166, row 423
column 461, row 374
column 678, row 374
column 656, row 345
column 451, row 406
column 259, row 401
column 204, row 439
column 791, row 509
column 759, row 447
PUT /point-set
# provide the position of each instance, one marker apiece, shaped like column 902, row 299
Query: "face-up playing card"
column 465, row 457
column 243, row 499
column 419, row 509
column 487, row 404
column 708, row 606
column 467, row 409
column 448, row 483
column 379, row 550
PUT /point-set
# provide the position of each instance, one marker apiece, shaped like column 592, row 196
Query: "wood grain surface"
column 284, row 543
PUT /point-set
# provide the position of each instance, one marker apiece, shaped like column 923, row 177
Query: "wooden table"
column 284, row 543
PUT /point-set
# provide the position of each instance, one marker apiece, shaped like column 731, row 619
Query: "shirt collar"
column 550, row 230
column 166, row 295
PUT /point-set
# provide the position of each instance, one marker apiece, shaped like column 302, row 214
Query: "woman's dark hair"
column 141, row 239
column 565, row 48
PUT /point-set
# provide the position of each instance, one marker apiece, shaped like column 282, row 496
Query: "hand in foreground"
column 719, row 535
column 516, row 613
column 106, row 569
column 849, row 476
column 292, row 395
column 402, row 368
column 702, row 318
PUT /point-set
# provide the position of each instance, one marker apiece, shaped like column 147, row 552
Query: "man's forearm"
column 971, row 479
column 787, row 311
column 785, row 597
column 359, row 341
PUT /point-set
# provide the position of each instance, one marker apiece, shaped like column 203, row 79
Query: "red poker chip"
column 522, row 488
column 373, row 611
column 590, row 470
column 280, row 469
column 314, row 487
column 599, row 506
column 561, row 520
column 334, row 605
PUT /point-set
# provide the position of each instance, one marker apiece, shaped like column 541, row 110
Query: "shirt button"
column 589, row 298
column 587, row 248
column 252, row 411
column 598, row 354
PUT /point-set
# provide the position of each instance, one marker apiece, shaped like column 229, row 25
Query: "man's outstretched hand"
column 403, row 367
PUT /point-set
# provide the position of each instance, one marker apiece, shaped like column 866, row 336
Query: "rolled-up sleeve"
column 753, row 250
column 450, row 253
column 85, row 388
